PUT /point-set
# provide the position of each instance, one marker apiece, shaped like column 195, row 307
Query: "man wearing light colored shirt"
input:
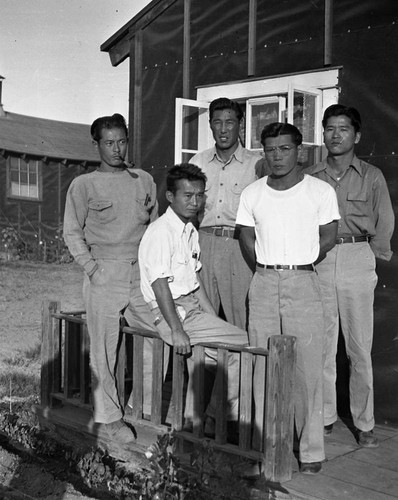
column 106, row 214
column 348, row 273
column 288, row 222
column 169, row 262
column 229, row 168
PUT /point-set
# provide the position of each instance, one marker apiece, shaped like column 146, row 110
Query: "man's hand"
column 181, row 342
column 98, row 278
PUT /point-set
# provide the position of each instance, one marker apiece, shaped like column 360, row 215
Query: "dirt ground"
column 23, row 287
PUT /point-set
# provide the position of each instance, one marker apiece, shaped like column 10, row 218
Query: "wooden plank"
column 135, row 118
column 278, row 431
column 251, row 49
column 221, row 390
column 198, row 390
column 138, row 372
column 374, row 478
column 328, row 33
column 178, row 391
column 71, row 358
column 186, row 66
column 85, row 372
column 121, row 370
column 258, row 421
column 384, row 456
column 157, row 381
column 48, row 351
column 246, row 400
column 323, row 487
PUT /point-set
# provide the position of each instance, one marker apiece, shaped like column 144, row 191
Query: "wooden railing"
column 66, row 379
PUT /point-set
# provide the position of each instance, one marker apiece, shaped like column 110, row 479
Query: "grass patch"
column 29, row 356
column 16, row 383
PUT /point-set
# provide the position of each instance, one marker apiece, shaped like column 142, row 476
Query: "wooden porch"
column 350, row 472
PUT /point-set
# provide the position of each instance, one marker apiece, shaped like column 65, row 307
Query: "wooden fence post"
column 50, row 355
column 278, row 431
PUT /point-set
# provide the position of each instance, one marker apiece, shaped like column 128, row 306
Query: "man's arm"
column 327, row 239
column 167, row 307
column 384, row 219
column 247, row 239
column 76, row 209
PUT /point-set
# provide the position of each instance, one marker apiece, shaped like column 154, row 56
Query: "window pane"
column 309, row 155
column 304, row 115
column 24, row 190
column 14, row 176
column 32, row 178
column 186, row 157
column 15, row 188
column 33, row 192
column 24, row 167
column 24, row 178
column 262, row 114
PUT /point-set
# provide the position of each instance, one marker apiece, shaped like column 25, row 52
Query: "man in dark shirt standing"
column 347, row 274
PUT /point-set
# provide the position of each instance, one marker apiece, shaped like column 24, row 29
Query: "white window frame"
column 36, row 196
column 323, row 83
column 204, row 134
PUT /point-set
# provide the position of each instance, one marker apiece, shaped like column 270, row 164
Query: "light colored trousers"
column 348, row 280
column 226, row 276
column 289, row 303
column 117, row 287
column 200, row 327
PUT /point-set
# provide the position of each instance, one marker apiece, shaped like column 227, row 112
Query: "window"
column 23, row 178
column 298, row 98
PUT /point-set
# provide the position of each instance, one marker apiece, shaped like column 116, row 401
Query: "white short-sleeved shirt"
column 169, row 249
column 287, row 222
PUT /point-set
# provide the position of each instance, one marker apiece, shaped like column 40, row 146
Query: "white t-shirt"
column 169, row 249
column 287, row 222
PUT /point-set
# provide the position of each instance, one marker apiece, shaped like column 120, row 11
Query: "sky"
column 51, row 60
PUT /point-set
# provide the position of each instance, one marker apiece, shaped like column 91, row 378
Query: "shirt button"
column 221, row 184
column 219, row 201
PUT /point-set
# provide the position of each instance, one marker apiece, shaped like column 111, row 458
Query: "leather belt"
column 287, row 267
column 352, row 239
column 227, row 232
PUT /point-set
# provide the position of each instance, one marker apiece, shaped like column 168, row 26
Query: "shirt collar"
column 323, row 165
column 177, row 223
column 237, row 154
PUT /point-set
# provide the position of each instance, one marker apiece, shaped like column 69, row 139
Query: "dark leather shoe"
column 366, row 439
column 327, row 430
column 310, row 467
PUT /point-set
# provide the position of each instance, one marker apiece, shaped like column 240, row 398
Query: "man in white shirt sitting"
column 170, row 282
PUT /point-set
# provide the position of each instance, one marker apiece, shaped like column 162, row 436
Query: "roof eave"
column 118, row 45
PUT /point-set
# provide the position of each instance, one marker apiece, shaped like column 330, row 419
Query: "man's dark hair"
column 114, row 121
column 276, row 129
column 186, row 171
column 348, row 111
column 224, row 103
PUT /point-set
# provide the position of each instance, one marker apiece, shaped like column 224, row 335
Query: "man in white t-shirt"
column 289, row 222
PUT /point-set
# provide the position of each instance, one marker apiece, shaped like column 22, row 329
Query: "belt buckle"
column 278, row 267
column 217, row 231
column 340, row 240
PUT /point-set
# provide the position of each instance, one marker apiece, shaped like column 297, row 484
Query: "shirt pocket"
column 102, row 211
column 236, row 189
column 357, row 203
